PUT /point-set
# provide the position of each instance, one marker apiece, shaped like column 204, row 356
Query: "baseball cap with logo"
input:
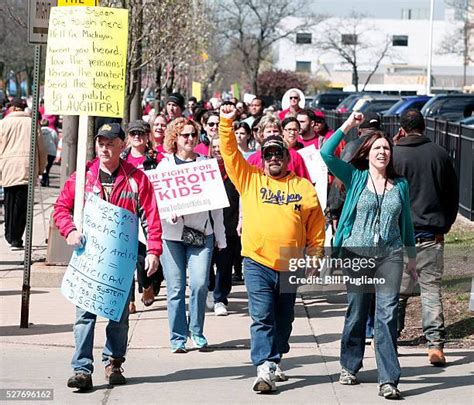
column 274, row 141
column 111, row 131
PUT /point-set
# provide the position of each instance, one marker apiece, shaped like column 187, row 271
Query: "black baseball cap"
column 111, row 131
column 371, row 120
column 274, row 141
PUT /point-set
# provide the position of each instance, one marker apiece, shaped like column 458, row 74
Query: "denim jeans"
column 385, row 328
column 429, row 266
column 115, row 344
column 271, row 310
column 176, row 258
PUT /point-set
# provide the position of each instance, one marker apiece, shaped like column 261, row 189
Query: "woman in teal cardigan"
column 375, row 224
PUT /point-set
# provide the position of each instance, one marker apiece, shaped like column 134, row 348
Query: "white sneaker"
column 220, row 309
column 265, row 381
column 279, row 374
column 210, row 300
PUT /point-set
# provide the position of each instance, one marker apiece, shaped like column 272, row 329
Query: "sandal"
column 148, row 296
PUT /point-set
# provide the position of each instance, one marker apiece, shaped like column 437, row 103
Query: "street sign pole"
column 25, row 291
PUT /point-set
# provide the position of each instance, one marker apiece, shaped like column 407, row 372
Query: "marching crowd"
column 392, row 203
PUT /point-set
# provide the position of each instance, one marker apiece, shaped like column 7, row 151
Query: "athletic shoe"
column 265, row 381
column 280, row 375
column 210, row 300
column 346, row 378
column 389, row 391
column 199, row 342
column 220, row 309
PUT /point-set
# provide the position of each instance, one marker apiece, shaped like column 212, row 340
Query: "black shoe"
column 17, row 245
column 113, row 373
column 237, row 278
column 82, row 381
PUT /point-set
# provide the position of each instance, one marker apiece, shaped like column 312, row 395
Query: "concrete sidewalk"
column 38, row 357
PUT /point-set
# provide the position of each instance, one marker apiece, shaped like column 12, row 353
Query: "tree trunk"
column 69, row 146
column 355, row 77
column 159, row 72
column 136, row 100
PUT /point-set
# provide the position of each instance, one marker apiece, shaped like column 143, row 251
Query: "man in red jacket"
column 120, row 184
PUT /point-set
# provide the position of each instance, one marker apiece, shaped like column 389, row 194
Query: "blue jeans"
column 271, row 310
column 385, row 330
column 176, row 258
column 115, row 344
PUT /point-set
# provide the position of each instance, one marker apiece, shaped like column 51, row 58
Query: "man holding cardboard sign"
column 121, row 184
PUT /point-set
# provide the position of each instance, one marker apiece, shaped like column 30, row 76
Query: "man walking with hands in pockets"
column 281, row 217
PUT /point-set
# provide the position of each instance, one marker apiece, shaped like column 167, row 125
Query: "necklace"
column 379, row 209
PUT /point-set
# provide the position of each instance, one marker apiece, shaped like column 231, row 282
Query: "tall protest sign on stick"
column 188, row 189
column 85, row 71
column 99, row 276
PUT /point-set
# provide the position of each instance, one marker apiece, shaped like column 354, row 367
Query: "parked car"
column 469, row 121
column 450, row 107
column 407, row 103
column 328, row 100
column 374, row 103
column 348, row 103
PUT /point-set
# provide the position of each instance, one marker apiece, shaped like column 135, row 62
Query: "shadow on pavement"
column 40, row 329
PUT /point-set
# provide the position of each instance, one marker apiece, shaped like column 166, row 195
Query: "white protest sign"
column 99, row 276
column 318, row 171
column 188, row 188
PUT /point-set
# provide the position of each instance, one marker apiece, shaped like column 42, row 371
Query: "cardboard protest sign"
column 318, row 171
column 99, row 276
column 187, row 189
column 86, row 61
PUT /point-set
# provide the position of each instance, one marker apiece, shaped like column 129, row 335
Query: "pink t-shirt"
column 136, row 161
column 202, row 149
column 314, row 141
column 296, row 165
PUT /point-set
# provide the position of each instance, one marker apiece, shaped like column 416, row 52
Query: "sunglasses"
column 213, row 124
column 137, row 133
column 294, row 98
column 268, row 155
column 190, row 134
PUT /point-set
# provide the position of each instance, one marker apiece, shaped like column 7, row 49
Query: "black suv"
column 450, row 107
column 328, row 101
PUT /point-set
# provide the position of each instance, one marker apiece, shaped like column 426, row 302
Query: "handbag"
column 192, row 237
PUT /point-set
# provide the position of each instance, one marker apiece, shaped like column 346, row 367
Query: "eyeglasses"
column 137, row 133
column 268, row 155
column 213, row 124
column 294, row 98
column 189, row 134
column 293, row 130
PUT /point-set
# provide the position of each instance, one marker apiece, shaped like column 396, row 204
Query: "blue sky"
column 378, row 8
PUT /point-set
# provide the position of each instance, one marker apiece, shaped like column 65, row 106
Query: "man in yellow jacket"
column 282, row 219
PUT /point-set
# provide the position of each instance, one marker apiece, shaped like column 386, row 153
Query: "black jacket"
column 231, row 213
column 434, row 190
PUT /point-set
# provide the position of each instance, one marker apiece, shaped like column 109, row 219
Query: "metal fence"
column 456, row 139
